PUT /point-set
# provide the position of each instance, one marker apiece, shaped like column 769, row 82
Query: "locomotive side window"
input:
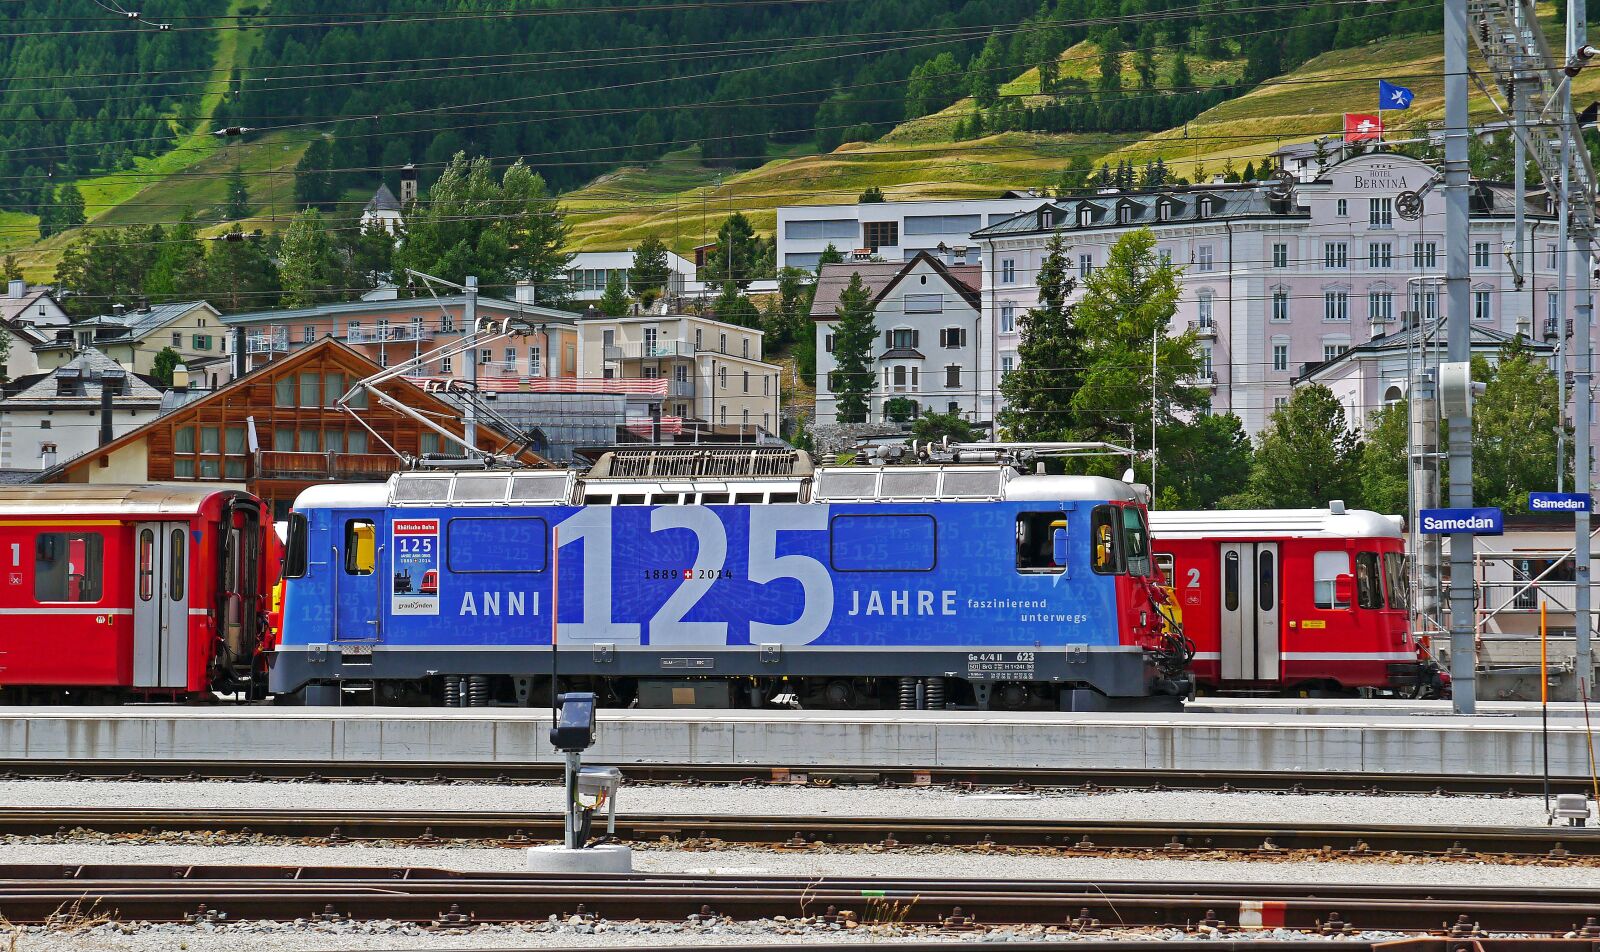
column 1104, row 553
column 1369, row 584
column 1326, row 567
column 1036, row 542
column 1135, row 541
column 294, row 560
column 147, row 567
column 67, row 567
column 1399, row 583
column 360, row 547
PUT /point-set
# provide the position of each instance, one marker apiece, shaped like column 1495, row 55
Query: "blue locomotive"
column 727, row 577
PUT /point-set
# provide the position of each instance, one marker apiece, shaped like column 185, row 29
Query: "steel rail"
column 1223, row 780
column 1072, row 837
column 1217, row 943
column 443, row 898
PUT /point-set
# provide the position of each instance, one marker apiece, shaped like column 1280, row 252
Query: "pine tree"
column 733, row 307
column 11, row 268
column 238, row 204
column 163, row 364
column 983, row 74
column 240, row 274
column 736, row 256
column 1180, row 79
column 614, row 302
column 830, row 255
column 854, row 337
column 1038, row 392
column 651, row 266
column 1110, row 82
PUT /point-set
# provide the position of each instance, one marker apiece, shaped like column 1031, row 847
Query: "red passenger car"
column 112, row 592
column 1293, row 599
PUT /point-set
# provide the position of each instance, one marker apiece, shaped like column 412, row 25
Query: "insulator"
column 908, row 694
column 452, row 690
column 478, row 691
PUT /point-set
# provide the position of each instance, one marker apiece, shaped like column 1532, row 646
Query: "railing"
column 681, row 388
column 393, row 333
column 271, row 341
column 643, row 351
column 641, row 386
column 284, row 464
column 1203, row 328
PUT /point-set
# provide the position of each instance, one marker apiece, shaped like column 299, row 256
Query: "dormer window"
column 1164, row 211
column 1085, row 216
column 1205, row 207
column 1124, row 214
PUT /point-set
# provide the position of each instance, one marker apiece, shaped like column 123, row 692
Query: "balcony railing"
column 273, row 340
column 392, row 334
column 681, row 388
column 642, row 351
column 284, row 464
column 1203, row 329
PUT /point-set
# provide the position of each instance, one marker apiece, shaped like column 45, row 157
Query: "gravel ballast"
column 780, row 800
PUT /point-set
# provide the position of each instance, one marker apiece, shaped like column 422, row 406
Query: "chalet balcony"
column 270, row 340
column 391, row 334
column 360, row 467
column 656, row 351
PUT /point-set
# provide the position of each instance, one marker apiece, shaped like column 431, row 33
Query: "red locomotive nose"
column 430, row 582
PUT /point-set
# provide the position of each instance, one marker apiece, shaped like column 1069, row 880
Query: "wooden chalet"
column 302, row 438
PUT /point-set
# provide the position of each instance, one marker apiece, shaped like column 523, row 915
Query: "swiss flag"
column 1360, row 127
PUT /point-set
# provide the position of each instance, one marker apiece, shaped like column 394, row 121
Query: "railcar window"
column 68, row 567
column 294, row 561
column 497, row 545
column 147, row 566
column 1230, row 581
column 1036, row 542
column 360, row 547
column 1135, row 541
column 713, row 499
column 1369, row 582
column 784, row 497
column 597, row 499
column 746, row 499
column 1325, row 567
column 630, row 499
column 1104, row 554
column 1399, row 582
column 1165, row 567
column 178, row 564
column 1266, row 579
column 906, row 543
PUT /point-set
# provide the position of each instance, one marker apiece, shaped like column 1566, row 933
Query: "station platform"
column 1416, row 738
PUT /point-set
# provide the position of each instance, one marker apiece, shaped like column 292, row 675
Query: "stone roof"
column 1184, row 204
column 78, row 382
column 383, row 200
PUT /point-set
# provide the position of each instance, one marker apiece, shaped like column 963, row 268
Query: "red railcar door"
column 1251, row 648
column 161, row 605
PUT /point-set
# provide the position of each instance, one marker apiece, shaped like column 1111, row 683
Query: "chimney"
column 17, row 288
column 47, row 456
column 180, row 378
column 117, row 310
column 144, row 305
column 408, row 185
column 527, row 293
column 106, row 435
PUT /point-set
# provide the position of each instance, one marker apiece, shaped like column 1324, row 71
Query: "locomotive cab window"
column 1399, row 583
column 1105, row 555
column 360, row 547
column 294, row 560
column 1369, row 584
column 1165, row 568
column 1135, row 541
column 68, row 567
column 1038, row 549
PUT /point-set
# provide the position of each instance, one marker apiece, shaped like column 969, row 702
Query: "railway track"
column 1292, row 782
column 444, row 899
column 1069, row 837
